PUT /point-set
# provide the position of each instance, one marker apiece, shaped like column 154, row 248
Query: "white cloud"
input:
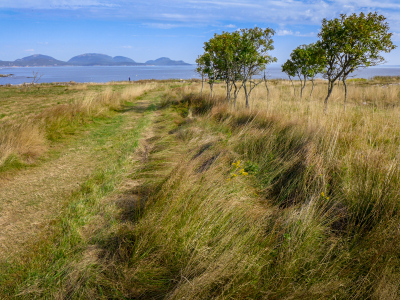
column 175, row 17
column 161, row 25
column 164, row 13
column 230, row 26
column 226, row 3
column 309, row 34
column 284, row 32
column 396, row 36
column 54, row 4
column 126, row 47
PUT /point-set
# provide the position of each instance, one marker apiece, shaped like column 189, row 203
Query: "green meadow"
column 150, row 190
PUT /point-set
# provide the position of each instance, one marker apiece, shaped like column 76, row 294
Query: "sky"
column 144, row 30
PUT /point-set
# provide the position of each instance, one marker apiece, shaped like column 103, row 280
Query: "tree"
column 315, row 63
column 352, row 42
column 206, row 68
column 305, row 62
column 290, row 69
column 237, row 57
column 221, row 54
column 255, row 43
column 201, row 69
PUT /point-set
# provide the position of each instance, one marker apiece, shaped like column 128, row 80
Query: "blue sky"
column 144, row 30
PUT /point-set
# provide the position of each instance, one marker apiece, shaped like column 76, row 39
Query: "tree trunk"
column 330, row 88
column 246, row 94
column 345, row 93
column 312, row 89
column 266, row 85
column 235, row 95
column 294, row 89
column 302, row 86
column 202, row 84
column 228, row 91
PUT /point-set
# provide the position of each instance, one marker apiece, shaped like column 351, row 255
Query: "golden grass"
column 25, row 136
column 24, row 140
column 314, row 221
column 136, row 90
column 276, row 202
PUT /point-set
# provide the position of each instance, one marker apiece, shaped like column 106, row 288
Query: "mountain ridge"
column 86, row 59
column 165, row 61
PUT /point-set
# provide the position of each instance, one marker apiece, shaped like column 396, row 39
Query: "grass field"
column 149, row 191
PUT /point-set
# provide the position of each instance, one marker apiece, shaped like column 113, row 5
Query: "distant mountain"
column 5, row 63
column 165, row 61
column 90, row 59
column 123, row 59
column 87, row 59
column 38, row 60
column 96, row 59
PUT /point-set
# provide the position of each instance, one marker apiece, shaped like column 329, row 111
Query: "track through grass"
column 40, row 203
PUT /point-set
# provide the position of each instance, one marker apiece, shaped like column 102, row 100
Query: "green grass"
column 12, row 163
column 198, row 201
column 63, row 244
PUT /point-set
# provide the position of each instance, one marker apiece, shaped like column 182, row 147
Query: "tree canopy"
column 305, row 62
column 237, row 57
column 352, row 42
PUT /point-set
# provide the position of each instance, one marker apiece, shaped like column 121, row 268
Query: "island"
column 87, row 59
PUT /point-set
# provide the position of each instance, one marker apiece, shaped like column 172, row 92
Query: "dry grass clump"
column 277, row 202
column 25, row 141
column 26, row 138
column 135, row 90
column 207, row 231
column 314, row 218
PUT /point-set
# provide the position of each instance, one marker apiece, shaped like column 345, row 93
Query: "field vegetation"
column 34, row 117
column 186, row 196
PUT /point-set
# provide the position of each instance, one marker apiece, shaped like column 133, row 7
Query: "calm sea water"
column 120, row 73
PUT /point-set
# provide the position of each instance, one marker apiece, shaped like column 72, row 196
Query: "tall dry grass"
column 344, row 164
column 135, row 90
column 316, row 218
column 28, row 137
column 275, row 202
column 22, row 140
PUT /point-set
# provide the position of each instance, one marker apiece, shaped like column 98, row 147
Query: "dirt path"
column 32, row 198
column 35, row 196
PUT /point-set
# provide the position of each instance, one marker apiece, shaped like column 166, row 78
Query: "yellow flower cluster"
column 323, row 196
column 238, row 171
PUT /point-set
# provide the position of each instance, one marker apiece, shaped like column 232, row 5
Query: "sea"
column 102, row 74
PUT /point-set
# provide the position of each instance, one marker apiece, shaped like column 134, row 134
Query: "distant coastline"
column 87, row 59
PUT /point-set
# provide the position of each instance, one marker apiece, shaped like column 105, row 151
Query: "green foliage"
column 305, row 62
column 12, row 163
column 236, row 56
column 352, row 42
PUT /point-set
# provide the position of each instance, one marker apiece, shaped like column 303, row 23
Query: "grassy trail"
column 180, row 197
column 30, row 200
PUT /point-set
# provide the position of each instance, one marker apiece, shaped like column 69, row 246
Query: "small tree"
column 352, row 42
column 315, row 63
column 201, row 69
column 305, row 62
column 221, row 50
column 290, row 69
column 206, row 68
column 255, row 43
column 237, row 57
